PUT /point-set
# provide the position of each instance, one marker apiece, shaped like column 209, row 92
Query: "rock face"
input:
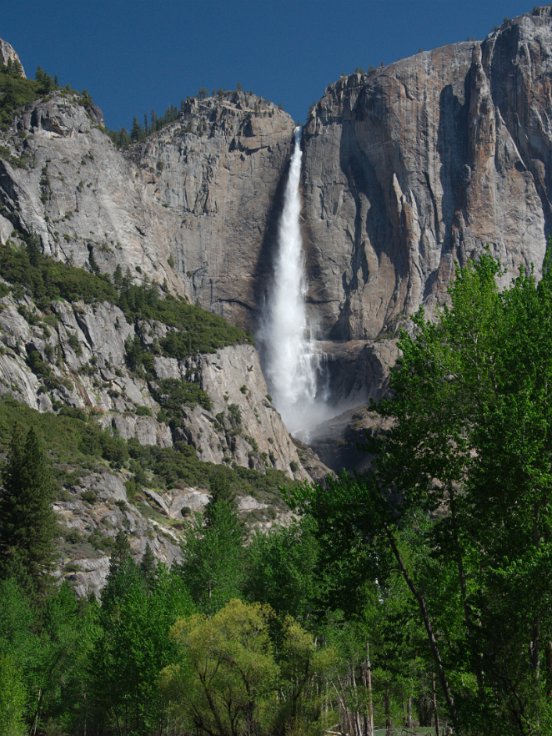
column 73, row 358
column 8, row 54
column 191, row 207
column 217, row 175
column 418, row 165
column 84, row 347
column 408, row 169
column 66, row 182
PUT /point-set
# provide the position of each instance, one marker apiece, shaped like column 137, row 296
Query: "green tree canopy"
column 27, row 521
column 465, row 488
column 213, row 553
column 230, row 681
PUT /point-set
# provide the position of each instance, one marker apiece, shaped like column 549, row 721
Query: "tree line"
column 417, row 594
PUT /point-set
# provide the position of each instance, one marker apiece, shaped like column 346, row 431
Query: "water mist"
column 292, row 363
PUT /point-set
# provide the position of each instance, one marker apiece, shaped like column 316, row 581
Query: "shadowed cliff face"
column 419, row 165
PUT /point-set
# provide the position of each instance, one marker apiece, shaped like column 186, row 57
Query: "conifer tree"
column 123, row 572
column 27, row 521
column 213, row 565
column 148, row 568
column 136, row 133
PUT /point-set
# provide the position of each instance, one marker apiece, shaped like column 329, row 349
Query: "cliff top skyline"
column 135, row 57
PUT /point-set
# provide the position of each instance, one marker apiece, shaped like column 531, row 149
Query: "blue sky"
column 136, row 55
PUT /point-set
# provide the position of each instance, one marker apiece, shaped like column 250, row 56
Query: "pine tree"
column 213, row 565
column 123, row 571
column 148, row 568
column 136, row 133
column 27, row 521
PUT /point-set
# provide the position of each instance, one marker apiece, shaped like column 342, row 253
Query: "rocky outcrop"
column 91, row 512
column 73, row 359
column 93, row 508
column 8, row 55
column 62, row 179
column 80, row 362
column 415, row 166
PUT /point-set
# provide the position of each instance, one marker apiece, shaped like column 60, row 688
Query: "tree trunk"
column 387, row 709
column 37, row 713
column 549, row 669
column 428, row 627
column 434, row 703
column 475, row 653
column 367, row 680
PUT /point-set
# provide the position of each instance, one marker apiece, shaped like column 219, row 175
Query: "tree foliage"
column 464, row 485
column 139, row 605
column 213, row 554
column 27, row 522
column 231, row 681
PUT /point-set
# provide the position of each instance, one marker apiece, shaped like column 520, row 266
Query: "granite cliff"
column 414, row 167
column 191, row 206
column 407, row 170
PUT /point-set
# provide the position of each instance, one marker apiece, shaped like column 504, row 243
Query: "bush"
column 172, row 394
column 138, row 358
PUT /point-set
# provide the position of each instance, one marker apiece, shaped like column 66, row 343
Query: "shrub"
column 172, row 394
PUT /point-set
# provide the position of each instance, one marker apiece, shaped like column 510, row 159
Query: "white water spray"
column 291, row 360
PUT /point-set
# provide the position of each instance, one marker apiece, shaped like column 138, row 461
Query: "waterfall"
column 292, row 363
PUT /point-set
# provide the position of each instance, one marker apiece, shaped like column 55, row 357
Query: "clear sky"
column 137, row 55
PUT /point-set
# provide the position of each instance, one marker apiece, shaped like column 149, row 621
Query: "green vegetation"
column 72, row 438
column 472, row 434
column 171, row 467
column 122, row 138
column 27, row 524
column 139, row 605
column 416, row 596
column 172, row 394
column 453, row 526
column 228, row 679
column 16, row 92
column 214, row 554
column 44, row 279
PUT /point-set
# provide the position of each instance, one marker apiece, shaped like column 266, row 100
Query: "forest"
column 416, row 595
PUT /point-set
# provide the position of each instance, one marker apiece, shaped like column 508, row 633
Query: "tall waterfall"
column 291, row 360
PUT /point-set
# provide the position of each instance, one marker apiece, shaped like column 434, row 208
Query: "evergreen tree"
column 148, row 568
column 14, row 68
column 46, row 83
column 27, row 521
column 139, row 605
column 136, row 132
column 123, row 572
column 213, row 565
